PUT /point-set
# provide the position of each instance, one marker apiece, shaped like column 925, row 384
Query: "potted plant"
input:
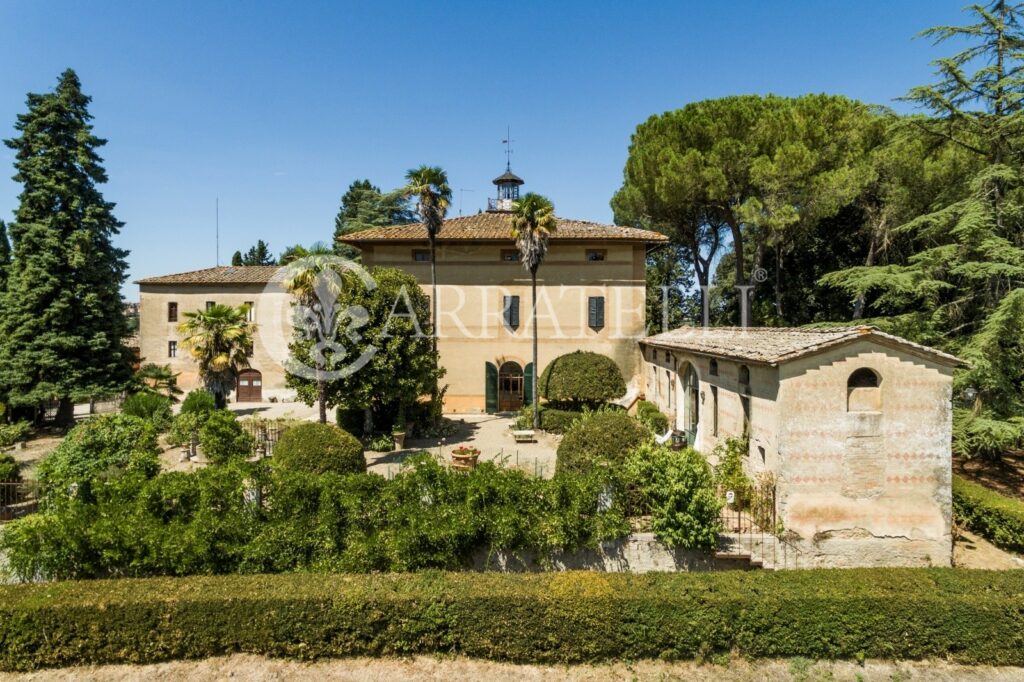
column 464, row 457
column 398, row 432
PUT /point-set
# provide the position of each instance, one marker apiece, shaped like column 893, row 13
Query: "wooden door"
column 250, row 387
column 510, row 387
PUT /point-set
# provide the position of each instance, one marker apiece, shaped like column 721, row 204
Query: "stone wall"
column 861, row 486
column 636, row 553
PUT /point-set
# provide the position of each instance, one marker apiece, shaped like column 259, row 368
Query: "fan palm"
column 305, row 279
column 158, row 379
column 220, row 340
column 429, row 185
column 533, row 221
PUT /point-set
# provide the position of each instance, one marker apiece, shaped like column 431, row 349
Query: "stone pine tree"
column 61, row 315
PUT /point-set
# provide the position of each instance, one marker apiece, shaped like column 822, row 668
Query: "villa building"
column 853, row 425
column 591, row 293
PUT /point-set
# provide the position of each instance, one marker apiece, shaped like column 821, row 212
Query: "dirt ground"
column 258, row 668
column 974, row 551
column 1005, row 476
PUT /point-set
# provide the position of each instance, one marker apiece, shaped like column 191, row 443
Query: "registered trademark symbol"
column 760, row 275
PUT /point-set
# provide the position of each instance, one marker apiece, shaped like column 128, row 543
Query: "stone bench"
column 524, row 436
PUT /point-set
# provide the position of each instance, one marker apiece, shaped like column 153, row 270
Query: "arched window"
column 744, row 375
column 713, row 368
column 863, row 392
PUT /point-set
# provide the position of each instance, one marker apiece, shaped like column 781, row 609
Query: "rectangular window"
column 172, row 311
column 595, row 312
column 714, row 410
column 596, row 255
column 250, row 314
column 421, row 255
column 172, row 349
column 210, row 304
column 510, row 255
column 510, row 311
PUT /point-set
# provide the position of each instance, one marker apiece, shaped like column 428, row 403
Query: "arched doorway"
column 250, row 387
column 510, row 387
column 690, row 404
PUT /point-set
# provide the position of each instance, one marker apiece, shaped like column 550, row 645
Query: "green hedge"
column 582, row 378
column 552, row 419
column 995, row 517
column 972, row 617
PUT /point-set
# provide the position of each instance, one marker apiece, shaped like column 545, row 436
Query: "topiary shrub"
column 222, row 437
column 198, row 400
column 351, row 419
column 582, row 378
column 152, row 407
column 105, row 446
column 319, row 448
column 599, row 439
column 649, row 414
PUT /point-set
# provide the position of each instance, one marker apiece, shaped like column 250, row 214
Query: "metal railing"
column 751, row 532
column 17, row 499
column 264, row 434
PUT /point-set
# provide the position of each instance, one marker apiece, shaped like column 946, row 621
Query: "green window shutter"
column 528, row 384
column 595, row 312
column 510, row 311
column 491, row 388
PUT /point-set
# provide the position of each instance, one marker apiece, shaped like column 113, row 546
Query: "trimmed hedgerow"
column 599, row 439
column 974, row 617
column 552, row 419
column 998, row 518
column 582, row 378
column 649, row 414
column 320, row 448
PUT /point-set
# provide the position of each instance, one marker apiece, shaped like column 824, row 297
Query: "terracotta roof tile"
column 495, row 226
column 775, row 345
column 229, row 274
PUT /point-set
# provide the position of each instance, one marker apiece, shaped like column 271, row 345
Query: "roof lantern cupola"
column 508, row 183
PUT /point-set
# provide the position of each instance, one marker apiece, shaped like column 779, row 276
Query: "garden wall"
column 635, row 553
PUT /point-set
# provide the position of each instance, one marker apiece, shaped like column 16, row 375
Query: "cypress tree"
column 61, row 315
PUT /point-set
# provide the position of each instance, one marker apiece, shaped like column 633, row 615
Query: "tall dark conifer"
column 61, row 317
column 5, row 255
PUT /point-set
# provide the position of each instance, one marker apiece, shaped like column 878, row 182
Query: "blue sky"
column 276, row 107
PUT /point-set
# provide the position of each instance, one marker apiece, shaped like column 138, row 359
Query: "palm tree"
column 158, row 379
column 533, row 221
column 220, row 340
column 304, row 280
column 429, row 184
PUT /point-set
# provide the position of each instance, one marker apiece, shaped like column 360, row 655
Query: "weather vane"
column 508, row 148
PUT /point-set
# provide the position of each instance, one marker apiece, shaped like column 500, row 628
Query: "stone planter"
column 399, row 439
column 465, row 459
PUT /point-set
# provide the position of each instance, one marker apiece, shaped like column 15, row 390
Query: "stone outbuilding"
column 850, row 425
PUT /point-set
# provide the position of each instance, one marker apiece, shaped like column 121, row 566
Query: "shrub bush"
column 972, row 617
column 319, row 448
column 14, row 432
column 677, row 490
column 729, row 473
column 152, row 407
column 649, row 414
column 351, row 420
column 599, row 439
column 222, row 438
column 997, row 518
column 427, row 516
column 198, row 400
column 582, row 378
column 105, row 447
column 10, row 472
column 552, row 419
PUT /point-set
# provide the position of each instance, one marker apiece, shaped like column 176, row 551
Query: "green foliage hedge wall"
column 963, row 616
column 996, row 517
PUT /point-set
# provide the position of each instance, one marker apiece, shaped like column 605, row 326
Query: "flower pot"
column 399, row 438
column 465, row 460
